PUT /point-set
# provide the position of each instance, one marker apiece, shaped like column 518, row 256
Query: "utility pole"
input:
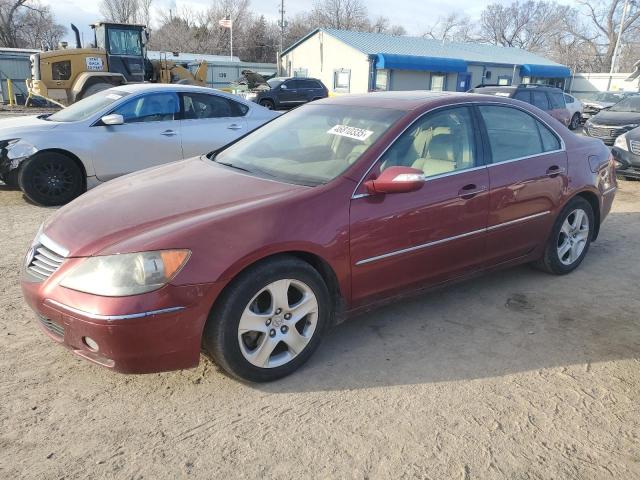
column 617, row 47
column 282, row 26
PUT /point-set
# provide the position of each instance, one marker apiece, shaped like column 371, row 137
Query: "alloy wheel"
column 278, row 323
column 573, row 236
column 52, row 179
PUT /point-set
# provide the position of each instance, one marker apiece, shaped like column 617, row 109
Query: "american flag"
column 225, row 22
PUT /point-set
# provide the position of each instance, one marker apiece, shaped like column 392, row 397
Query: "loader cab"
column 124, row 46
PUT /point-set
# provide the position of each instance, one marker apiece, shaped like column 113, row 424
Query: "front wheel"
column 269, row 321
column 50, row 178
column 570, row 238
column 575, row 121
column 268, row 104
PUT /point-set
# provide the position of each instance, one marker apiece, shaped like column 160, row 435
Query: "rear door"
column 558, row 107
column 404, row 240
column 527, row 174
column 209, row 122
column 291, row 94
column 150, row 136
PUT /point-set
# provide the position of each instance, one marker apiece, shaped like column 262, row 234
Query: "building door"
column 464, row 82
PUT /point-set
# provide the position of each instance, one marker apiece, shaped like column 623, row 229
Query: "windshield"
column 274, row 82
column 630, row 104
column 87, row 107
column 607, row 97
column 124, row 41
column 312, row 144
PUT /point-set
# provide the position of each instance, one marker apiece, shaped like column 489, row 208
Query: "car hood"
column 132, row 212
column 16, row 127
column 608, row 117
column 594, row 103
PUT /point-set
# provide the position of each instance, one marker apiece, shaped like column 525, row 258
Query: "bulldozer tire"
column 95, row 88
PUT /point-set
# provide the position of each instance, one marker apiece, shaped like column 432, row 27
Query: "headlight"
column 17, row 149
column 251, row 96
column 126, row 274
column 631, row 126
column 621, row 142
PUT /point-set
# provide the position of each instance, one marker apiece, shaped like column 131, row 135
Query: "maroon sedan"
column 252, row 252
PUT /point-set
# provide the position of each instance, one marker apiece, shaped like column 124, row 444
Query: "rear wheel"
column 95, row 88
column 575, row 121
column 269, row 321
column 268, row 104
column 50, row 178
column 570, row 238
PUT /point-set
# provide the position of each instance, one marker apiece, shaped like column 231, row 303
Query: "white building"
column 357, row 62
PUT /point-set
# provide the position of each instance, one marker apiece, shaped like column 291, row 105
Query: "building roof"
column 377, row 43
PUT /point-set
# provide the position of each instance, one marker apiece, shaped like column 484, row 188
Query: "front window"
column 629, row 104
column 274, row 83
column 87, row 107
column 124, row 42
column 153, row 107
column 312, row 144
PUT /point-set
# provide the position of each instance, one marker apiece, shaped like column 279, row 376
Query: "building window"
column 382, row 80
column 526, row 80
column 301, row 72
column 504, row 80
column 341, row 80
column 61, row 70
column 438, row 82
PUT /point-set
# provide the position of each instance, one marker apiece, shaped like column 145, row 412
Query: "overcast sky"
column 414, row 15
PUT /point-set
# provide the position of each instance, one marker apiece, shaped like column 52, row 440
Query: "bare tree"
column 454, row 27
column 341, row 14
column 28, row 24
column 120, row 11
column 602, row 25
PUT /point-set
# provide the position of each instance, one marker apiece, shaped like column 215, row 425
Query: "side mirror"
column 283, row 87
column 396, row 180
column 113, row 119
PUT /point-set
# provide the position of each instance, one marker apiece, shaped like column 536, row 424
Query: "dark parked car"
column 549, row 99
column 595, row 102
column 289, row 92
column 252, row 252
column 613, row 121
column 626, row 151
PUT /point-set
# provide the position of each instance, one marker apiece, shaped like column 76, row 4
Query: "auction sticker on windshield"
column 94, row 63
column 350, row 132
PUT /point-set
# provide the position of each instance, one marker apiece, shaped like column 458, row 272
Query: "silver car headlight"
column 18, row 149
column 621, row 142
column 126, row 274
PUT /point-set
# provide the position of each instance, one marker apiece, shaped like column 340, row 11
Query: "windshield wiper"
column 232, row 165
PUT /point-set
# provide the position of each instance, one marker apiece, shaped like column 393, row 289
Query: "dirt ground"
column 517, row 375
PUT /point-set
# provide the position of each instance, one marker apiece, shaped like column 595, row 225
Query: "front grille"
column 53, row 327
column 635, row 147
column 606, row 132
column 45, row 261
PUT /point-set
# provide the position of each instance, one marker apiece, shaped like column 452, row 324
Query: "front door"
column 405, row 240
column 150, row 136
column 210, row 122
column 290, row 94
column 527, row 173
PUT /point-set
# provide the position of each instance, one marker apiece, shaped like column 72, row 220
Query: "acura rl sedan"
column 251, row 252
column 54, row 158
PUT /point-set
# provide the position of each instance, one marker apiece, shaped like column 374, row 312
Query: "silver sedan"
column 54, row 158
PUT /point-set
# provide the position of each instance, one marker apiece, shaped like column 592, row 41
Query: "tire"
column 557, row 260
column 51, row 178
column 575, row 121
column 268, row 104
column 95, row 88
column 11, row 178
column 266, row 353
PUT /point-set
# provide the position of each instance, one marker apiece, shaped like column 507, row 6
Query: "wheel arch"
column 594, row 201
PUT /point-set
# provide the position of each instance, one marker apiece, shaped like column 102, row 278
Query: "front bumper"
column 153, row 332
column 630, row 163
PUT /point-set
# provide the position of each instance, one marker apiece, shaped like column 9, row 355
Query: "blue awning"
column 414, row 62
column 545, row 71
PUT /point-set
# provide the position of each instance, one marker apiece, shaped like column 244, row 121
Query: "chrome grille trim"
column 53, row 327
column 47, row 257
column 635, row 147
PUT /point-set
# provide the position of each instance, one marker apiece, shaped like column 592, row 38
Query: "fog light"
column 91, row 343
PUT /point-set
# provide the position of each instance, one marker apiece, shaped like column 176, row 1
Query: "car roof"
column 149, row 87
column 399, row 100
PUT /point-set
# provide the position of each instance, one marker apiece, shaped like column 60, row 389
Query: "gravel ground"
column 517, row 375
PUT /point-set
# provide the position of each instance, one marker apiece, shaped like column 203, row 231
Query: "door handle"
column 169, row 133
column 554, row 170
column 234, row 126
column 470, row 191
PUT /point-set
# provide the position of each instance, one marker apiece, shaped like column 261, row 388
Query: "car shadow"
column 502, row 323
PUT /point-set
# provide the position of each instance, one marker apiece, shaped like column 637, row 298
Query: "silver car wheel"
column 278, row 323
column 573, row 236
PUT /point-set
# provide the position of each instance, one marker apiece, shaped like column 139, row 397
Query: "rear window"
column 556, row 99
column 539, row 99
column 523, row 96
